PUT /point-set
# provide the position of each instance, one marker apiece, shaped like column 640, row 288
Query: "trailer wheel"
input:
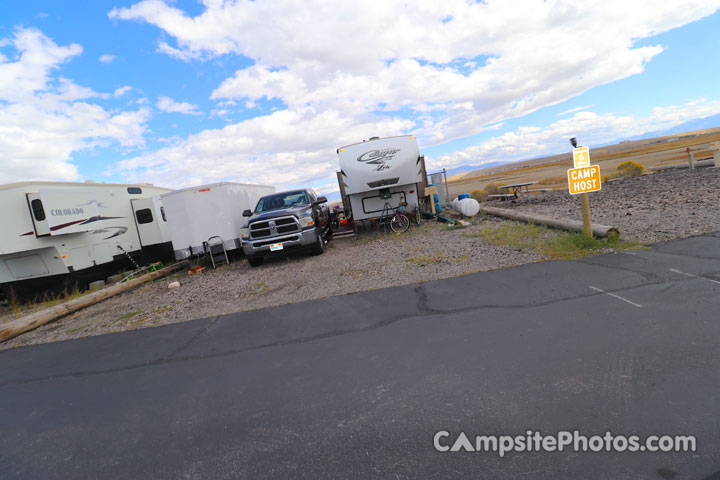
column 255, row 261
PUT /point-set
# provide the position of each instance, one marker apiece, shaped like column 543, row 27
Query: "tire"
column 319, row 246
column 418, row 215
column 399, row 223
column 255, row 261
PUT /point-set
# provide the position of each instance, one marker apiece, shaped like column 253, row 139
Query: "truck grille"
column 273, row 227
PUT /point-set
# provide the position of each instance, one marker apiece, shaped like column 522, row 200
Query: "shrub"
column 630, row 169
column 491, row 188
column 479, row 195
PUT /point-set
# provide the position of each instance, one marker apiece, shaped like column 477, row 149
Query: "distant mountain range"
column 712, row 121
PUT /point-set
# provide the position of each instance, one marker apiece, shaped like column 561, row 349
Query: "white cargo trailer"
column 55, row 231
column 380, row 170
column 197, row 214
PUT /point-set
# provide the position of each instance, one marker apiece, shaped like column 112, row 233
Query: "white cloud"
column 327, row 188
column 167, row 104
column 107, row 58
column 590, row 128
column 349, row 70
column 482, row 61
column 44, row 118
column 119, row 92
column 576, row 109
column 39, row 56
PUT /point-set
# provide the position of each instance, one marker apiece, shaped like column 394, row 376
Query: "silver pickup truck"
column 286, row 221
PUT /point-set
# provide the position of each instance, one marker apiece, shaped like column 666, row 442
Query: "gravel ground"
column 648, row 209
column 428, row 252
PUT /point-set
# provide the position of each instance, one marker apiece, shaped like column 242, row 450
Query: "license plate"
column 276, row 246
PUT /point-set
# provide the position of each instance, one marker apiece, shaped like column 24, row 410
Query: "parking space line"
column 693, row 276
column 616, row 296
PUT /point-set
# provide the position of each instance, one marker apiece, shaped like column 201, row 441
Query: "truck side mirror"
column 247, row 213
column 320, row 201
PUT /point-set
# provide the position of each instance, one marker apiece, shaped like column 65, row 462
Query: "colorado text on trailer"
column 55, row 233
column 380, row 170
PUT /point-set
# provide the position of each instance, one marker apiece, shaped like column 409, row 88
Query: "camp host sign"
column 584, row 179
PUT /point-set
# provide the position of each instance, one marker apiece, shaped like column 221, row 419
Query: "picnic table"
column 518, row 190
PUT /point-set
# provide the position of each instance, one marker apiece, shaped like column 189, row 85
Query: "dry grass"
column 552, row 181
column 435, row 259
column 554, row 244
column 18, row 308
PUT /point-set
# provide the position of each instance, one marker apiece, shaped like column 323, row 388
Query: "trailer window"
column 162, row 213
column 38, row 210
column 144, row 216
column 134, row 190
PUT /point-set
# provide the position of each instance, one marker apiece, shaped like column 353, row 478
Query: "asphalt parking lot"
column 356, row 386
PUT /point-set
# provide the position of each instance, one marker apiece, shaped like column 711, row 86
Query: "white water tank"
column 469, row 207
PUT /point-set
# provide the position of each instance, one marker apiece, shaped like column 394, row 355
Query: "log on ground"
column 599, row 230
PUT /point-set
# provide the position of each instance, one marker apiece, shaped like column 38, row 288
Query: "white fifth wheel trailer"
column 53, row 232
column 197, row 214
column 380, row 170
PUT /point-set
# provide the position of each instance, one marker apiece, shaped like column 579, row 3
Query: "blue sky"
column 187, row 92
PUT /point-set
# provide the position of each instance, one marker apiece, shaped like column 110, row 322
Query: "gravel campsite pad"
column 646, row 209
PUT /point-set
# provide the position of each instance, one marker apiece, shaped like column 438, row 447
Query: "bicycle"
column 398, row 221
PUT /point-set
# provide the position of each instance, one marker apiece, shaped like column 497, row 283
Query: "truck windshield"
column 282, row 200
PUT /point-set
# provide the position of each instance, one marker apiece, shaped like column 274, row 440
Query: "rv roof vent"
column 90, row 181
column 373, row 138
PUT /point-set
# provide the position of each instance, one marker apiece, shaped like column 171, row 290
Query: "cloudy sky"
column 185, row 92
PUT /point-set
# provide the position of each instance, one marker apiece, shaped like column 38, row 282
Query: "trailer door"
column 147, row 221
column 38, row 214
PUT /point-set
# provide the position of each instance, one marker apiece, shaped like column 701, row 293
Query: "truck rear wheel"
column 255, row 261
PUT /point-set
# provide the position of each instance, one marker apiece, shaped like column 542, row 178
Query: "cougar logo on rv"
column 379, row 157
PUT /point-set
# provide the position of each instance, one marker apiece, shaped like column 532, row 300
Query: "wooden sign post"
column 582, row 179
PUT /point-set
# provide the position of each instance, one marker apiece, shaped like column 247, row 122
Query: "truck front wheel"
column 319, row 246
column 329, row 234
